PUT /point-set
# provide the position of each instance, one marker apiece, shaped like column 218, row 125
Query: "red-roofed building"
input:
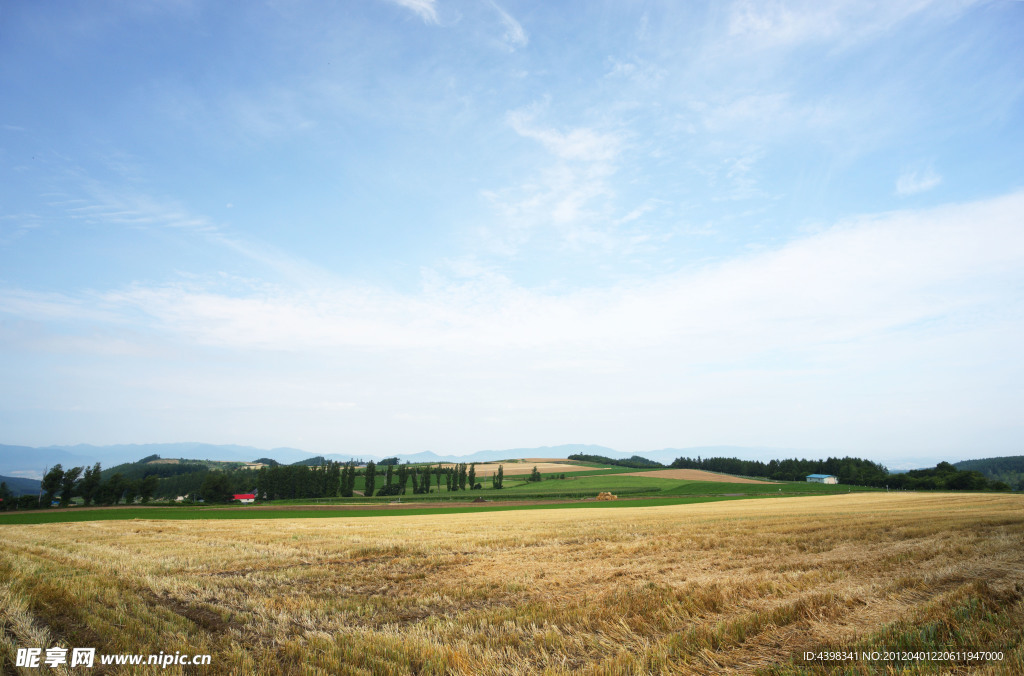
column 244, row 497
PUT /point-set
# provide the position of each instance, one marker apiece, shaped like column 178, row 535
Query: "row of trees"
column 849, row 470
column 197, row 482
column 632, row 461
column 459, row 477
column 944, row 476
column 1009, row 469
column 853, row 471
column 296, row 482
column 289, row 482
column 61, row 485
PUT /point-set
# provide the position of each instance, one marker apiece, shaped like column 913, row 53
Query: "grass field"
column 653, row 490
column 302, row 510
column 739, row 586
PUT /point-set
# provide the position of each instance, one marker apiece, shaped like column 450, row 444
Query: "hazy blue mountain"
column 766, row 453
column 667, row 455
column 20, row 486
column 120, row 453
column 32, row 462
column 25, row 461
column 510, row 453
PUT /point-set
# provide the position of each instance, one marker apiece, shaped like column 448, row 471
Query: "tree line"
column 61, row 485
column 852, row 471
column 634, row 461
column 196, row 482
column 1009, row 469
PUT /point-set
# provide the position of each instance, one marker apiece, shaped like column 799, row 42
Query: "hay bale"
column 604, row 495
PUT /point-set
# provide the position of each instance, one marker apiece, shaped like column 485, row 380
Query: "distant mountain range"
column 26, row 461
column 19, row 486
column 29, row 462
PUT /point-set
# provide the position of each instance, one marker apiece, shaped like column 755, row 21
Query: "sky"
column 388, row 226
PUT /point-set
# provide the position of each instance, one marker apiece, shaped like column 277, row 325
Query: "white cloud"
column 913, row 182
column 426, row 9
column 514, row 36
column 788, row 23
column 580, row 143
column 900, row 329
column 569, row 196
column 852, row 281
column 127, row 206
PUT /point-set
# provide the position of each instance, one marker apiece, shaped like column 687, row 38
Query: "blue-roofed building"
column 822, row 479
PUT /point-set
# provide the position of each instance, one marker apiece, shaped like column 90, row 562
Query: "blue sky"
column 398, row 225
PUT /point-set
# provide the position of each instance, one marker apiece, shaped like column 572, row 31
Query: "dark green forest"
column 852, row 471
column 1009, row 469
column 634, row 461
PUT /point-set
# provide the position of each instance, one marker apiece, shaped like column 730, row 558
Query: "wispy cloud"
column 566, row 198
column 581, row 143
column 426, row 9
column 137, row 210
column 15, row 226
column 128, row 207
column 514, row 36
column 804, row 331
column 790, row 23
column 913, row 182
column 807, row 294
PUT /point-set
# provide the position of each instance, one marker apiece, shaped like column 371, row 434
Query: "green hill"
column 19, row 486
column 1008, row 469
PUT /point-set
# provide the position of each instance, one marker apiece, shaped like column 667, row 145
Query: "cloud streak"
column 840, row 334
column 809, row 293
column 425, row 9
column 914, row 182
column 515, row 36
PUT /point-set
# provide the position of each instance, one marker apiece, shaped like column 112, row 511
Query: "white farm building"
column 822, row 479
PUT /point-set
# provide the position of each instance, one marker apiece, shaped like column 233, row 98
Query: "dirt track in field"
column 694, row 475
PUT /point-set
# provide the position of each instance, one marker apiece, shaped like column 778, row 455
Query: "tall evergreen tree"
column 216, row 488
column 333, row 479
column 403, row 476
column 112, row 490
column 472, row 475
column 371, row 478
column 68, row 484
column 343, row 481
column 148, row 487
column 499, row 480
column 387, row 476
column 90, row 484
column 350, row 487
column 51, row 483
column 131, row 491
column 261, row 483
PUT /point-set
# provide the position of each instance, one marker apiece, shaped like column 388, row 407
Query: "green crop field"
column 296, row 512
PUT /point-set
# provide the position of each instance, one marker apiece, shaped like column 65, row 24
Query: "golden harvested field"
column 486, row 469
column 725, row 587
column 695, row 475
